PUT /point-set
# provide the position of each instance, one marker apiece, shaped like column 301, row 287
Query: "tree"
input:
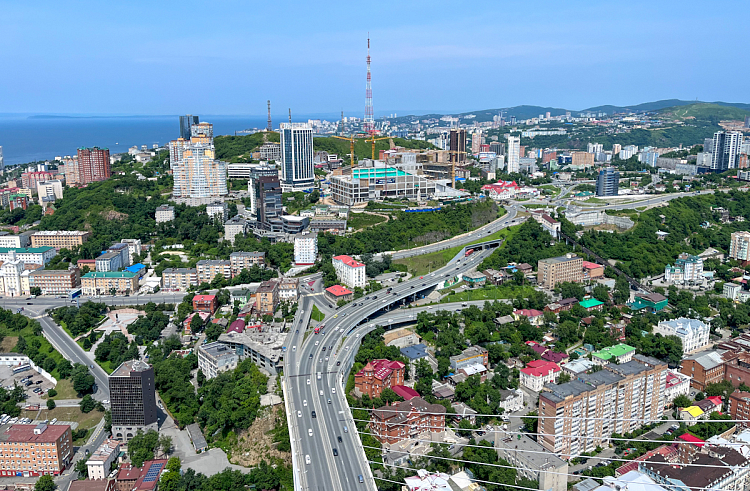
column 83, row 381
column 165, row 445
column 82, row 469
column 35, row 290
column 45, row 483
column 64, row 368
column 563, row 378
column 682, row 401
column 51, row 404
column 529, row 423
column 700, row 396
column 87, row 404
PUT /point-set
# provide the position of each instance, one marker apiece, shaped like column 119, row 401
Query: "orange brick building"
column 205, row 303
column 377, row 375
column 35, row 450
column 407, row 419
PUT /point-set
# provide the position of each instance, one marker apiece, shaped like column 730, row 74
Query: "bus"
column 21, row 368
column 469, row 252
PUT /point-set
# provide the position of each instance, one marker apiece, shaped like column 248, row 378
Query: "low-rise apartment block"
column 55, row 281
column 101, row 460
column 246, row 260
column 179, row 279
column 350, row 271
column 305, row 249
column 267, row 297
column 579, row 415
column 407, row 419
column 554, row 270
column 234, row 227
column 619, row 353
column 288, row 289
column 15, row 241
column 109, row 261
column 59, row 239
column 704, row 368
column 100, row 283
column 215, row 358
column 35, row 450
column 205, row 303
column 207, row 270
column 164, row 213
column 538, row 373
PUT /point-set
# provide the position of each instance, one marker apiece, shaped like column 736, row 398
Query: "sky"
column 229, row 57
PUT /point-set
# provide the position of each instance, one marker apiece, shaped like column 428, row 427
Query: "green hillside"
column 240, row 148
column 705, row 112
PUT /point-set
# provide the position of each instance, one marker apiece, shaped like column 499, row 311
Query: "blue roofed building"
column 137, row 268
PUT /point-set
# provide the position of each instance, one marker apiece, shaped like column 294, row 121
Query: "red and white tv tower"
column 369, row 122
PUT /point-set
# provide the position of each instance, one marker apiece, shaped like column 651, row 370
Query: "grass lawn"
column 595, row 201
column 65, row 390
column 363, row 220
column 107, row 366
column 489, row 293
column 420, row 265
column 317, row 315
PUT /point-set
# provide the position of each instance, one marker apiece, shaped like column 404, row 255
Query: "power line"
column 541, row 416
column 613, row 459
column 590, row 437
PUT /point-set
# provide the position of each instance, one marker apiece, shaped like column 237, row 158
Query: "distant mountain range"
column 526, row 111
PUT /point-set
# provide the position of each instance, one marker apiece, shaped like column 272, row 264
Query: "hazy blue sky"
column 228, row 57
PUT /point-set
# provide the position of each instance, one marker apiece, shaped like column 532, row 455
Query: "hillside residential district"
column 461, row 310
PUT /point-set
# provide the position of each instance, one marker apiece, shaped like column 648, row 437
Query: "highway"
column 462, row 239
column 331, row 354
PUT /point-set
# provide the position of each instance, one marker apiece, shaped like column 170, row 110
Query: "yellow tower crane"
column 351, row 140
column 372, row 140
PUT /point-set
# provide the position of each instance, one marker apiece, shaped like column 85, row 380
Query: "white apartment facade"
column 692, row 332
column 10, row 274
column 739, row 246
column 305, row 249
column 513, row 156
column 350, row 271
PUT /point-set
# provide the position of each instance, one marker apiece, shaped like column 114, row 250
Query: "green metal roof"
column 614, row 351
column 590, row 302
column 109, row 274
column 25, row 250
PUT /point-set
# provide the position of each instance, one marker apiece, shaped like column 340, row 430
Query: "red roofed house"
column 539, row 372
column 688, row 446
column 555, row 357
column 237, row 326
column 52, row 445
column 377, row 375
column 669, row 452
column 501, row 189
column 592, row 271
column 338, row 292
column 205, row 303
column 535, row 317
column 146, row 478
column 350, row 271
column 406, row 392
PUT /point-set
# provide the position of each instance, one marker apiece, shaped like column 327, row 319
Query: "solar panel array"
column 153, row 472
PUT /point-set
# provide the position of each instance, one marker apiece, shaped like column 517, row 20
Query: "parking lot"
column 37, row 381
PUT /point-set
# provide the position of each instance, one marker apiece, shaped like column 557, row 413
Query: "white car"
column 299, row 414
column 321, row 392
column 333, row 389
column 307, row 458
column 304, row 403
column 308, row 381
column 294, row 348
column 317, row 343
column 309, row 432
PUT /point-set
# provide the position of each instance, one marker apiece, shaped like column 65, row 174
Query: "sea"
column 31, row 138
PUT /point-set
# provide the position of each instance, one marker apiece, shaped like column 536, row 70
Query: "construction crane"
column 453, row 165
column 372, row 140
column 351, row 140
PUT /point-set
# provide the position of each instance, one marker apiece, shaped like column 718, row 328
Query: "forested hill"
column 240, row 148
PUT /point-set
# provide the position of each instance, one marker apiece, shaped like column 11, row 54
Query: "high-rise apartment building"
column 196, row 172
column 93, row 165
column 187, row 122
column 297, row 170
column 513, row 157
column 580, row 415
column 305, row 249
column 595, row 148
column 2, row 161
column 726, row 146
column 457, row 145
column 476, row 141
column 554, row 270
column 132, row 399
column 608, row 182
column 739, row 247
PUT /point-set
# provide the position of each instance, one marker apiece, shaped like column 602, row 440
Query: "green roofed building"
column 619, row 353
column 32, row 255
column 109, row 283
column 652, row 302
column 591, row 304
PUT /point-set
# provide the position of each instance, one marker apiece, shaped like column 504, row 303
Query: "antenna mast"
column 269, row 126
column 342, row 122
column 369, row 123
column 290, row 114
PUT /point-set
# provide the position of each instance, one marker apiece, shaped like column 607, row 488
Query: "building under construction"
column 373, row 180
